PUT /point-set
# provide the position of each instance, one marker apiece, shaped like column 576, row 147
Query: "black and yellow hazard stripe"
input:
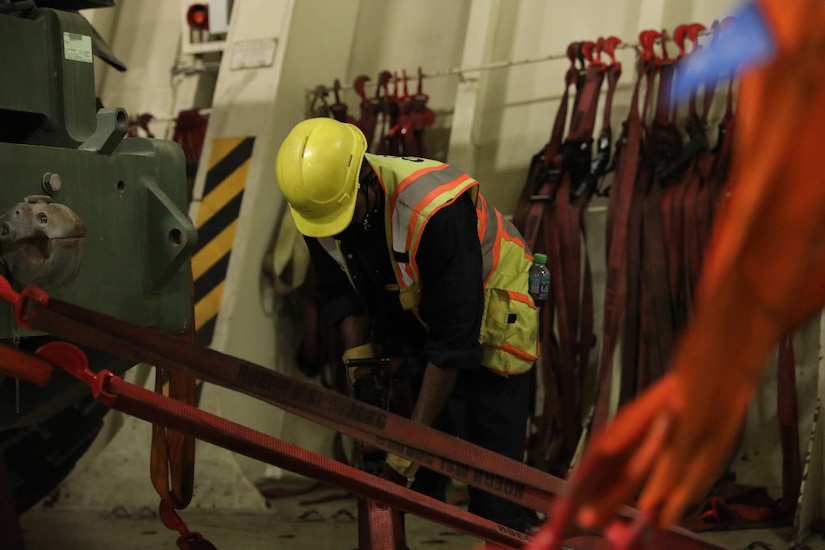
column 217, row 222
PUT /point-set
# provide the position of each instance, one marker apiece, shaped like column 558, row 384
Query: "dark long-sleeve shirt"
column 452, row 295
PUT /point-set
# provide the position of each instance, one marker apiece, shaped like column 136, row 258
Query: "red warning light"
column 198, row 17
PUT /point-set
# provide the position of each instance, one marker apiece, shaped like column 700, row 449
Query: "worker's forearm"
column 435, row 391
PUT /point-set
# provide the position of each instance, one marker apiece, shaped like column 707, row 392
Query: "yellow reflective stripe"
column 221, row 148
column 214, row 250
column 432, row 202
column 208, row 306
column 217, row 222
column 223, row 193
column 513, row 350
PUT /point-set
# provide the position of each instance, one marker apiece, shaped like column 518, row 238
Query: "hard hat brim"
column 328, row 225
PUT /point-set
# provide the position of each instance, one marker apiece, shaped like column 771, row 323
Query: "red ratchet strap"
column 370, row 107
column 555, row 238
column 339, row 109
column 380, row 527
column 188, row 540
column 23, row 366
column 114, row 392
column 631, row 259
column 387, row 110
column 534, row 217
column 600, row 167
column 696, row 200
column 190, row 133
column 564, row 242
column 409, row 137
column 613, row 72
column 506, row 478
column 74, row 361
column 619, row 214
column 438, row 451
column 656, row 329
column 422, row 117
column 172, row 460
column 392, row 106
column 545, row 166
column 705, row 164
column 724, row 145
column 397, row 135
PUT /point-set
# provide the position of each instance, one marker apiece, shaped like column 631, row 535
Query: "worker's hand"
column 399, row 470
column 391, row 475
column 674, row 438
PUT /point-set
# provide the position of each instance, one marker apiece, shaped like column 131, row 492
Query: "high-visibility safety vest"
column 415, row 189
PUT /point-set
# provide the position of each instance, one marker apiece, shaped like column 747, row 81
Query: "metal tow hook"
column 188, row 540
column 41, row 242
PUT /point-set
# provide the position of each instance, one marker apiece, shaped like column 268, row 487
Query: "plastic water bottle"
column 539, row 279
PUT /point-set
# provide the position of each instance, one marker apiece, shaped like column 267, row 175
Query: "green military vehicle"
column 92, row 216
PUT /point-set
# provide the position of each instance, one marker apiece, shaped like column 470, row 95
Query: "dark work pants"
column 491, row 411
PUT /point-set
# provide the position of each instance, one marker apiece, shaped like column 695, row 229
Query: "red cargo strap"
column 619, row 213
column 600, row 167
column 440, row 452
column 545, row 165
column 370, row 108
column 491, row 472
column 189, row 133
column 141, row 403
column 23, row 366
column 632, row 353
column 379, row 526
column 339, row 108
column 172, row 460
column 188, row 540
column 656, row 320
column 565, row 254
column 421, row 117
column 387, row 110
column 534, row 218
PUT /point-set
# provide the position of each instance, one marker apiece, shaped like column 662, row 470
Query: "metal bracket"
column 112, row 126
column 171, row 236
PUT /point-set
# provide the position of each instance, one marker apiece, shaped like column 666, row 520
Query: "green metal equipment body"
column 97, row 216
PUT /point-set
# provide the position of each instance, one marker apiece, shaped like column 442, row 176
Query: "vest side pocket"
column 509, row 331
column 409, row 296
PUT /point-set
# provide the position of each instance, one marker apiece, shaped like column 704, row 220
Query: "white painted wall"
column 519, row 101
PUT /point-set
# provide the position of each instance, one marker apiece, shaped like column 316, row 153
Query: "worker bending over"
column 412, row 262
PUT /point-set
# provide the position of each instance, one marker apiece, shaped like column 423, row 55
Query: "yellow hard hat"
column 317, row 168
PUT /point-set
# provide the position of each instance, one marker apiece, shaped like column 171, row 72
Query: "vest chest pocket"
column 509, row 331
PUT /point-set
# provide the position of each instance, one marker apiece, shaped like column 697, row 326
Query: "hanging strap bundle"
column 172, row 458
column 551, row 214
column 620, row 201
column 663, row 201
column 190, row 133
